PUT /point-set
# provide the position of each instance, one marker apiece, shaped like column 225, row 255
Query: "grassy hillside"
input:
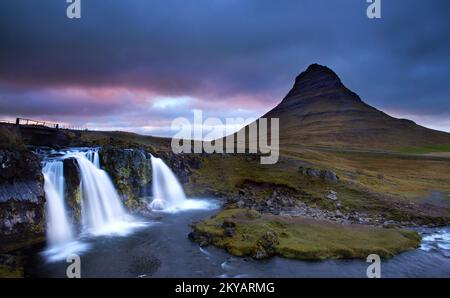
column 396, row 186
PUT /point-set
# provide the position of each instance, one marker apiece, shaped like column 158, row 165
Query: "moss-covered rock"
column 130, row 170
column 73, row 188
column 262, row 236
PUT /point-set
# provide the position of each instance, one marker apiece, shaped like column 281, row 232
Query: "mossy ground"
column 393, row 185
column 306, row 239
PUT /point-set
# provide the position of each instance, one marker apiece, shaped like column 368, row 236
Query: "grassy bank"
column 248, row 233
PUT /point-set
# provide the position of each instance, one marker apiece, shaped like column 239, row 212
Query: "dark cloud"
column 232, row 53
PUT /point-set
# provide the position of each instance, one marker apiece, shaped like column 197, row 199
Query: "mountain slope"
column 320, row 111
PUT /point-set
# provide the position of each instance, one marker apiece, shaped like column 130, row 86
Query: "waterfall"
column 59, row 229
column 102, row 211
column 167, row 191
column 93, row 156
column 102, row 208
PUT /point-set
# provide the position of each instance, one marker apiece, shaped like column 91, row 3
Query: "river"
column 160, row 248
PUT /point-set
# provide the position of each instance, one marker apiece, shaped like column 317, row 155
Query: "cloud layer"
column 138, row 64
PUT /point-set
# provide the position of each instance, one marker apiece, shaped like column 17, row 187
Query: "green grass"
column 306, row 239
column 426, row 149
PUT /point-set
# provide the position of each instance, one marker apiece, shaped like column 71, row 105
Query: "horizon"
column 141, row 72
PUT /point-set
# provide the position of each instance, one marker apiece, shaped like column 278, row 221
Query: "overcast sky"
column 138, row 64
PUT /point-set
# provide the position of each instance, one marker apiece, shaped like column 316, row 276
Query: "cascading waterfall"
column 102, row 210
column 59, row 229
column 93, row 156
column 167, row 191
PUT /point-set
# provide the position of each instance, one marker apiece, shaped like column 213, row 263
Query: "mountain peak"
column 316, row 77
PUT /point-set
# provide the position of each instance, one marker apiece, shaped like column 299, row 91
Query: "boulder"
column 266, row 246
column 325, row 175
column 332, row 195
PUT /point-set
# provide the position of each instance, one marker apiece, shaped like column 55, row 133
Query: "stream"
column 161, row 249
column 113, row 243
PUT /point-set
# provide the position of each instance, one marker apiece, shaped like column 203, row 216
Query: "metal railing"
column 42, row 124
column 31, row 122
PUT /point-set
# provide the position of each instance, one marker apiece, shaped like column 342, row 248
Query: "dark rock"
column 73, row 188
column 229, row 232
column 325, row 175
column 22, row 198
column 200, row 238
column 329, row 176
column 228, row 223
column 266, row 246
column 332, row 195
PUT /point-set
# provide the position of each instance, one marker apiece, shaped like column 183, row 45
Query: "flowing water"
column 59, row 229
column 160, row 248
column 167, row 191
column 164, row 250
column 102, row 209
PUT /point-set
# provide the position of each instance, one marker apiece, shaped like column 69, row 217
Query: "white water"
column 92, row 156
column 101, row 206
column 59, row 229
column 438, row 240
column 102, row 209
column 167, row 191
column 168, row 194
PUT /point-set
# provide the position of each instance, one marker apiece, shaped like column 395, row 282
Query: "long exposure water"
column 156, row 244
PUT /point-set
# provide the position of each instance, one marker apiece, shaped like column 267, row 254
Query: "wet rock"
column 130, row 170
column 73, row 188
column 202, row 239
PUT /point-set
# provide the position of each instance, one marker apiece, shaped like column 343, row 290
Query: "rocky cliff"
column 22, row 212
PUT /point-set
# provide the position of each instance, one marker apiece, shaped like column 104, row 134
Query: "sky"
column 136, row 65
